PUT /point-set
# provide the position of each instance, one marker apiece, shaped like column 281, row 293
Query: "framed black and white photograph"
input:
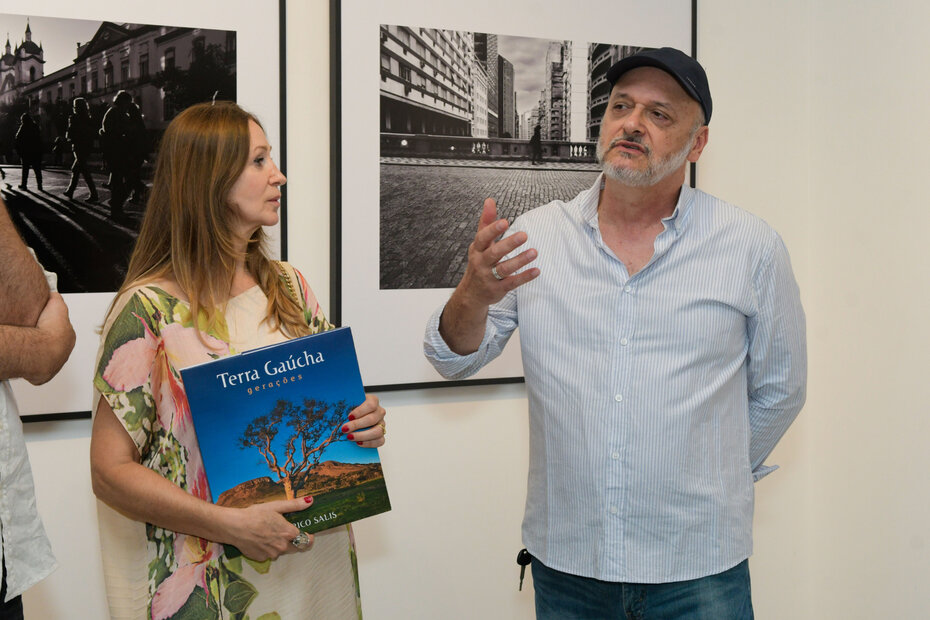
column 85, row 95
column 464, row 103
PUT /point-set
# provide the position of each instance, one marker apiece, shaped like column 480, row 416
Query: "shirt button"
column 618, row 397
column 624, row 342
column 613, row 510
column 615, row 455
column 627, row 288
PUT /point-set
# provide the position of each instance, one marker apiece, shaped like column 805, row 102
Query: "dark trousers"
column 79, row 169
column 12, row 609
column 37, row 168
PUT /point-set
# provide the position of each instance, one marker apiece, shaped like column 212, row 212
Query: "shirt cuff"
column 447, row 362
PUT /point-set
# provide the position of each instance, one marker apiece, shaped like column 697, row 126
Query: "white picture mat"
column 388, row 324
column 257, row 90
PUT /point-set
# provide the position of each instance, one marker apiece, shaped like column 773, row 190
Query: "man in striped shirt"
column 664, row 350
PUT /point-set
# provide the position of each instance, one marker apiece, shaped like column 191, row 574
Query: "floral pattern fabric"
column 150, row 336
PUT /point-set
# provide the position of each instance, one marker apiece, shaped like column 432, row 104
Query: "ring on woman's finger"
column 496, row 274
column 383, row 428
column 301, row 540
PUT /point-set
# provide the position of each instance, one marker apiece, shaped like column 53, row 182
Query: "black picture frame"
column 387, row 362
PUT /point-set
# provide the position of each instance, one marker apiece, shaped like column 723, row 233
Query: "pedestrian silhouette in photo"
column 81, row 133
column 137, row 138
column 115, row 141
column 59, row 148
column 536, row 146
column 28, row 143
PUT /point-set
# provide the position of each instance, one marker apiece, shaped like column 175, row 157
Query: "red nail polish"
column 351, row 417
column 345, row 428
column 351, row 436
column 359, row 442
column 308, row 499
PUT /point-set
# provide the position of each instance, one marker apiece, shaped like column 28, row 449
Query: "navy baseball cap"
column 676, row 63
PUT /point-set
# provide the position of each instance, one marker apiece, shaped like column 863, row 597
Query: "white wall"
column 819, row 127
column 870, row 308
column 756, row 57
column 824, row 135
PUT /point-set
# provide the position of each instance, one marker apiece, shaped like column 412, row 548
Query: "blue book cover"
column 269, row 423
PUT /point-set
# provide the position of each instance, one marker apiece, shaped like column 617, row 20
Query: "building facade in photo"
column 479, row 123
column 426, row 81
column 505, row 98
column 119, row 57
column 600, row 58
column 486, row 53
column 555, row 93
column 22, row 65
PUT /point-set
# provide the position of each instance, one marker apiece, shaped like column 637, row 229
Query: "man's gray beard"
column 653, row 173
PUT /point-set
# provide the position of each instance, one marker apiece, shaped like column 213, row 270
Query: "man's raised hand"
column 487, row 279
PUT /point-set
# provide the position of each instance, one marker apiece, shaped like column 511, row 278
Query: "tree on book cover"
column 269, row 424
column 316, row 424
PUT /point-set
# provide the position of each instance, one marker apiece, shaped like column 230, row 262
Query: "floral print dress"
column 156, row 573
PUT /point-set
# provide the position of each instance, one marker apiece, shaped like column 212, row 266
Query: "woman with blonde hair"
column 201, row 285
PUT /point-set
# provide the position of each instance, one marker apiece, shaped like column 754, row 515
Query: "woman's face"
column 255, row 197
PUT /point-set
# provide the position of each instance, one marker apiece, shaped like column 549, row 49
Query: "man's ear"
column 700, row 141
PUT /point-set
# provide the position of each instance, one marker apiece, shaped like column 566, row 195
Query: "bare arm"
column 37, row 353
column 120, row 480
column 463, row 319
column 23, row 288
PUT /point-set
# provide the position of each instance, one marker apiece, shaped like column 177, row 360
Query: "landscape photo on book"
column 269, row 424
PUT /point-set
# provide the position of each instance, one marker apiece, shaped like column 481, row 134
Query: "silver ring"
column 301, row 540
column 496, row 275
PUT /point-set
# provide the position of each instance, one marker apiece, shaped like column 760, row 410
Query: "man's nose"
column 633, row 122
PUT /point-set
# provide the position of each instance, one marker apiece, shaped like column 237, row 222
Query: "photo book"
column 269, row 424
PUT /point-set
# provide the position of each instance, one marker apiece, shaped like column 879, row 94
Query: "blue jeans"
column 560, row 596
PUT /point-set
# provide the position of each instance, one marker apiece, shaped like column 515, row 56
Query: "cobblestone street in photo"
column 430, row 211
column 76, row 238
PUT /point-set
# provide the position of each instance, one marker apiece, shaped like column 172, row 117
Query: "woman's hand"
column 369, row 416
column 260, row 531
column 140, row 493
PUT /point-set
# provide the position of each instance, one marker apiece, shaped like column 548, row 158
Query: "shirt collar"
column 679, row 217
column 676, row 221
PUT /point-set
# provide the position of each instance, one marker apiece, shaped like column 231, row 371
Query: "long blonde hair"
column 186, row 233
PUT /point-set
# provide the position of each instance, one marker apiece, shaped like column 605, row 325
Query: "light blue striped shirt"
column 654, row 399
